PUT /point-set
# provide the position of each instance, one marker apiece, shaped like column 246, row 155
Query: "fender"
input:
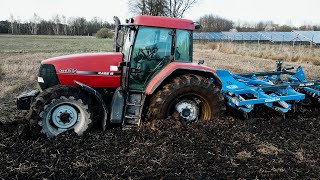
column 176, row 66
column 99, row 99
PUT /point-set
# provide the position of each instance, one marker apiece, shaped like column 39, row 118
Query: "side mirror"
column 201, row 61
column 119, row 40
column 197, row 25
column 116, row 46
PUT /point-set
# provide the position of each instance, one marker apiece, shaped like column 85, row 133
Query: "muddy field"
column 223, row 148
column 263, row 147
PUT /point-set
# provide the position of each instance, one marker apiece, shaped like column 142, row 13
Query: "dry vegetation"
column 246, row 62
column 20, row 57
column 297, row 53
column 19, row 72
column 52, row 44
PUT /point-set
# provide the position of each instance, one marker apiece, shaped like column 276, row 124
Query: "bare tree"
column 211, row 23
column 12, row 23
column 171, row 8
column 56, row 24
column 177, row 8
column 18, row 21
column 148, row 7
column 81, row 26
column 64, row 25
column 72, row 25
column 33, row 24
column 45, row 27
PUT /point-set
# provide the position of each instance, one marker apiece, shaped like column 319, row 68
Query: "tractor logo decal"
column 114, row 68
column 272, row 99
column 75, row 71
column 232, row 87
column 106, row 73
column 98, row 73
column 68, row 71
column 306, row 84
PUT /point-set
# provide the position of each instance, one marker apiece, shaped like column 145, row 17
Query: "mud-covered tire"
column 44, row 115
column 187, row 88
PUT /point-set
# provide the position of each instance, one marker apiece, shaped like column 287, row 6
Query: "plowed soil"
column 226, row 148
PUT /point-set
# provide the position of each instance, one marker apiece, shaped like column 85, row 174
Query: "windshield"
column 153, row 40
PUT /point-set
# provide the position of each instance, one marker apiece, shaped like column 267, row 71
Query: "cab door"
column 151, row 52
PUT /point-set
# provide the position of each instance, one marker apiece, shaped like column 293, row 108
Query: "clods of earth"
column 226, row 148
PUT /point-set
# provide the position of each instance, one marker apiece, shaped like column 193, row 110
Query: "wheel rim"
column 191, row 103
column 74, row 117
column 187, row 110
column 64, row 116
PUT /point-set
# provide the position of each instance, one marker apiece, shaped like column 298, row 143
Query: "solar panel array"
column 283, row 37
column 243, row 36
column 211, row 36
column 276, row 37
column 313, row 36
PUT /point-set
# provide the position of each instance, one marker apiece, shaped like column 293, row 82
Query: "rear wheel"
column 58, row 109
column 188, row 98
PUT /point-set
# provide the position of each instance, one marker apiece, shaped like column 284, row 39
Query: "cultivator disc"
column 313, row 92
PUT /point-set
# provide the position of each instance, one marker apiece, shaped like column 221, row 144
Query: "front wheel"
column 188, row 98
column 59, row 109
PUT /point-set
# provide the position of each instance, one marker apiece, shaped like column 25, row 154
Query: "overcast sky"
column 293, row 12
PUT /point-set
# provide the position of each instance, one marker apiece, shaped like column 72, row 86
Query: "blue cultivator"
column 244, row 91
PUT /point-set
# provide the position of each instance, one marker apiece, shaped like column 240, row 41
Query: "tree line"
column 58, row 25
column 213, row 23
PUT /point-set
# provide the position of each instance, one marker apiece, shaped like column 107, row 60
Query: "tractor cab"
column 148, row 44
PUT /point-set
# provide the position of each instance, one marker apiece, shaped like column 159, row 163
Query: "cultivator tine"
column 284, row 104
column 247, row 105
column 283, row 115
column 245, row 115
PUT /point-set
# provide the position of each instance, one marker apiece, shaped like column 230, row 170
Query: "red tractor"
column 150, row 75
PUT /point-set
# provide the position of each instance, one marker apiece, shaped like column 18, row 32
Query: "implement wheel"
column 58, row 109
column 188, row 98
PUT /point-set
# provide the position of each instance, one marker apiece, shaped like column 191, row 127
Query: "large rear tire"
column 189, row 98
column 58, row 109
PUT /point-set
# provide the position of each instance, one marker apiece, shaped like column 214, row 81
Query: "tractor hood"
column 92, row 62
column 93, row 69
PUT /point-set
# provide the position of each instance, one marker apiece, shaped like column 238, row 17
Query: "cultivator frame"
column 270, row 88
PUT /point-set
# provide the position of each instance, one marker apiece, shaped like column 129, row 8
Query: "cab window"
column 152, row 42
column 183, row 50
